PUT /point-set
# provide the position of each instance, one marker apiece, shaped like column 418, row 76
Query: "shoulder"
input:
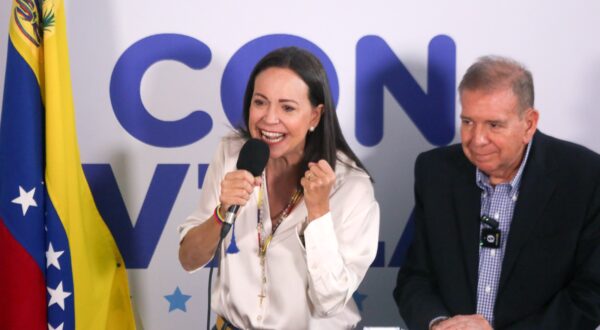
column 349, row 175
column 226, row 153
column 442, row 161
column 565, row 148
column 565, row 155
column 231, row 145
column 444, row 154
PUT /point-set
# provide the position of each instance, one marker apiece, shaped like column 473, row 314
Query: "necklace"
column 263, row 239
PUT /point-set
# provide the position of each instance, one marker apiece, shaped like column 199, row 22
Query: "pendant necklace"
column 263, row 239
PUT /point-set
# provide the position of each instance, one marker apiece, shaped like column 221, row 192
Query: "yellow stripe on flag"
column 101, row 294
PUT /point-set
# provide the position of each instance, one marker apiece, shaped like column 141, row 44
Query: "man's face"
column 494, row 135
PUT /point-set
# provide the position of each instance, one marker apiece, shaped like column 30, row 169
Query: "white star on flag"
column 60, row 327
column 52, row 257
column 25, row 199
column 57, row 296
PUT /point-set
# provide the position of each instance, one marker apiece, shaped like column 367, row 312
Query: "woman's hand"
column 200, row 242
column 317, row 183
column 237, row 187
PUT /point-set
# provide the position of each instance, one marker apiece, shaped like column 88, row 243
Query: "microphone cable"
column 216, row 257
column 253, row 158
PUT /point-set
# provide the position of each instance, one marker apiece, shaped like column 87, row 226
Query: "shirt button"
column 259, row 318
column 514, row 198
column 488, row 289
column 496, row 216
column 493, row 253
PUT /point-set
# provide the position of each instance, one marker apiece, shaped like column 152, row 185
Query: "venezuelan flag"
column 59, row 265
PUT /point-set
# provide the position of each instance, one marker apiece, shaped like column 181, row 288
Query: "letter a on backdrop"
column 59, row 265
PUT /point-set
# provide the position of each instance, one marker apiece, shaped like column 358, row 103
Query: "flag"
column 60, row 267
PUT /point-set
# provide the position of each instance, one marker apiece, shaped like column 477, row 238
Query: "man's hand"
column 475, row 322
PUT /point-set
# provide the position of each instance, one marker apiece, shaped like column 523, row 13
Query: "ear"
column 315, row 116
column 531, row 120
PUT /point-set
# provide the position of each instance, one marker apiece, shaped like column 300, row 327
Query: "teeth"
column 272, row 136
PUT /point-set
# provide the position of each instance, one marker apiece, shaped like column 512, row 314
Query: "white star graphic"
column 25, row 199
column 60, row 327
column 52, row 257
column 57, row 296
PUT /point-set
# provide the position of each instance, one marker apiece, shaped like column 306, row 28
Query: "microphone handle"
column 229, row 219
column 231, row 214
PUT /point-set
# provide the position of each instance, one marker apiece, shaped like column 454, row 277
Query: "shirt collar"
column 483, row 180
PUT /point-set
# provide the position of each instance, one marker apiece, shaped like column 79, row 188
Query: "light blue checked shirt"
column 498, row 203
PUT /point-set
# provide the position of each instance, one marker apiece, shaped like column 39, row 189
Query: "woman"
column 307, row 229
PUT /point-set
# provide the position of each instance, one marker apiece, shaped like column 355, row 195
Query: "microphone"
column 253, row 158
column 490, row 237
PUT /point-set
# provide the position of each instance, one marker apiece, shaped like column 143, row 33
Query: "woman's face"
column 281, row 113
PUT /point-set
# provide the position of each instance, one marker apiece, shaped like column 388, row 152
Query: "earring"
column 311, row 129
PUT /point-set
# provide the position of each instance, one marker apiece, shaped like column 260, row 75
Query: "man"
column 507, row 223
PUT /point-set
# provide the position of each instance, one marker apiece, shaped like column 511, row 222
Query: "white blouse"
column 307, row 286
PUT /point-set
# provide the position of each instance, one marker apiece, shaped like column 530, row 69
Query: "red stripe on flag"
column 22, row 286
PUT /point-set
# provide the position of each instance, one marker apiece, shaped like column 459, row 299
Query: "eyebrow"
column 280, row 100
column 288, row 100
column 500, row 121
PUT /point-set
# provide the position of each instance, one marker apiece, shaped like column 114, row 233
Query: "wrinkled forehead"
column 489, row 103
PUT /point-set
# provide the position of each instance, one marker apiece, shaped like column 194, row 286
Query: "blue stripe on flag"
column 21, row 155
column 59, row 278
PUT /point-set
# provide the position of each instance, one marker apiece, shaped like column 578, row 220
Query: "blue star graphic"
column 358, row 299
column 177, row 300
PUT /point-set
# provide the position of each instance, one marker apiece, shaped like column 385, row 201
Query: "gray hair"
column 491, row 73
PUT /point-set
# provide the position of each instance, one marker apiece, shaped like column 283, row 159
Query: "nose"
column 480, row 136
column 271, row 116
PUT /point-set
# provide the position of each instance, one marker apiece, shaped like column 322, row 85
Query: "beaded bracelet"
column 217, row 215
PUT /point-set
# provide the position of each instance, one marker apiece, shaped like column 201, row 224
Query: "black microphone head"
column 253, row 157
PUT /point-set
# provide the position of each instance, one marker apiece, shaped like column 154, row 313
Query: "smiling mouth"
column 271, row 137
column 482, row 156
